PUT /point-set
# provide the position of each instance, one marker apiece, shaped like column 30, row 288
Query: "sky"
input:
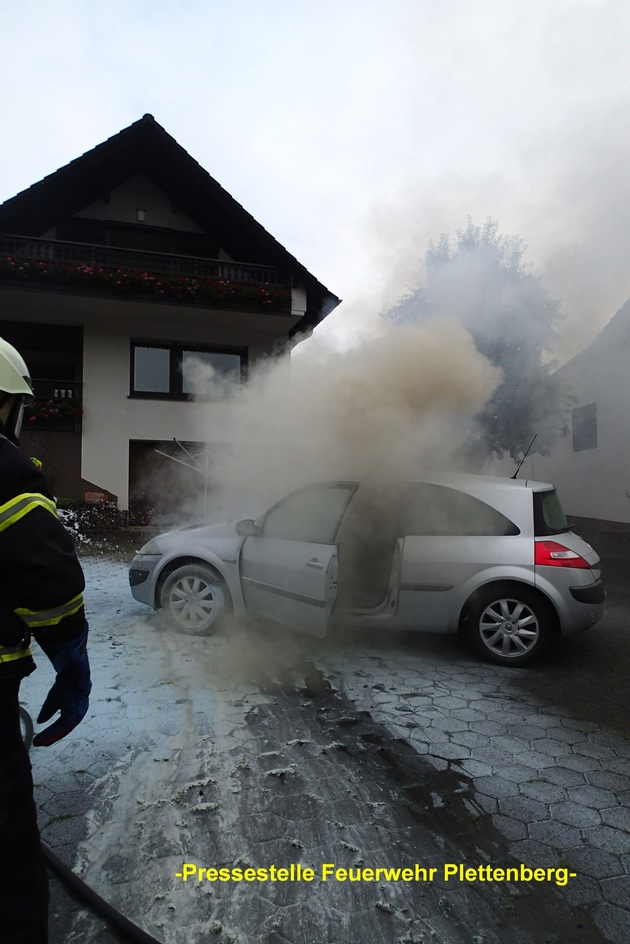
column 357, row 131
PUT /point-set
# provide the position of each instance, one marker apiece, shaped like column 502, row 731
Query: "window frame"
column 546, row 506
column 176, row 350
column 446, row 498
column 584, row 427
column 346, row 490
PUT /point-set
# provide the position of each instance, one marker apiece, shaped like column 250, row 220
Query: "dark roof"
column 146, row 148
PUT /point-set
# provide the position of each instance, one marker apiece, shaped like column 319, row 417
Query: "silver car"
column 491, row 558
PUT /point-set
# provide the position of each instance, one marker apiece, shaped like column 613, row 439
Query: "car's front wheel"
column 508, row 625
column 193, row 599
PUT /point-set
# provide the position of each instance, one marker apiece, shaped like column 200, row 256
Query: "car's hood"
column 218, row 539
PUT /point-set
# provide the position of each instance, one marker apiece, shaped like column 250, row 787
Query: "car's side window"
column 312, row 515
column 437, row 509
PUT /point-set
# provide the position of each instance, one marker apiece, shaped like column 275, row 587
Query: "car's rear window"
column 438, row 510
column 549, row 517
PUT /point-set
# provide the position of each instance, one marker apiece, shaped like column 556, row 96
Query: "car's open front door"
column 289, row 567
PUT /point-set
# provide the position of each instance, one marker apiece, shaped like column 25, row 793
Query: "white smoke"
column 403, row 400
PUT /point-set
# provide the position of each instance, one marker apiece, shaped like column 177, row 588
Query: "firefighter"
column 41, row 596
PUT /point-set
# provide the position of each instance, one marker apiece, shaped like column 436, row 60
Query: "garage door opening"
column 167, row 488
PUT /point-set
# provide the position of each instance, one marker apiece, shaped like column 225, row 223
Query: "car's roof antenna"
column 518, row 467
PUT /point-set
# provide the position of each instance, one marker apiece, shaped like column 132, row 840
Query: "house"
column 591, row 465
column 118, row 274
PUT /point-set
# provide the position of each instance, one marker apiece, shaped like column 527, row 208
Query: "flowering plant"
column 128, row 280
column 42, row 411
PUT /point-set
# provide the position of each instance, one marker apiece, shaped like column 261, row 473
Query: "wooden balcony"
column 109, row 269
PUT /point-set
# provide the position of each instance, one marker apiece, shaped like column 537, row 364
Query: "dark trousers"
column 23, row 878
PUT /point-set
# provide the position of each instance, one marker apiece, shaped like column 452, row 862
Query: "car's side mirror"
column 247, row 528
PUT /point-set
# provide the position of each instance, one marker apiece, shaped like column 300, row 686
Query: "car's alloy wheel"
column 192, row 598
column 509, row 628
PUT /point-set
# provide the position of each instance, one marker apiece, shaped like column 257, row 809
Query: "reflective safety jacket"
column 41, row 581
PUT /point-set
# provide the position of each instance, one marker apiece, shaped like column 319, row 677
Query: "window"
column 152, row 369
column 584, row 425
column 178, row 372
column 203, row 368
column 549, row 517
column 437, row 510
column 312, row 515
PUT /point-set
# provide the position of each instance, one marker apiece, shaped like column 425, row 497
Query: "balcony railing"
column 57, row 404
column 29, row 258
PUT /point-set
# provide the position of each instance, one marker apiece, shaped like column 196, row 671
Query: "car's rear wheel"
column 193, row 599
column 509, row 625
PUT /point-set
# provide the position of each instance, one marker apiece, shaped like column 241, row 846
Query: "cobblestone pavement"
column 363, row 752
column 545, row 749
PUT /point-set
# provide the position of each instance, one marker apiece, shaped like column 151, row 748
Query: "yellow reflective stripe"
column 17, row 507
column 12, row 656
column 50, row 617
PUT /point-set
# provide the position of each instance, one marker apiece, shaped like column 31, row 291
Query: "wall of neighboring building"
column 590, row 467
column 593, row 482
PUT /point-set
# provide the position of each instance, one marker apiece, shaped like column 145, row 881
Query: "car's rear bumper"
column 591, row 595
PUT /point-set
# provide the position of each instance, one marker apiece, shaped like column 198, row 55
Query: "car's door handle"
column 315, row 564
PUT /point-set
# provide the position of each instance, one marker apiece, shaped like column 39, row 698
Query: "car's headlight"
column 150, row 549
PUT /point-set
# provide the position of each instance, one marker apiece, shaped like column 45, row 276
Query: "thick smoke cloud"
column 404, row 400
column 563, row 193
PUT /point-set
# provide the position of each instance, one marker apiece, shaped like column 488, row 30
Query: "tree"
column 480, row 279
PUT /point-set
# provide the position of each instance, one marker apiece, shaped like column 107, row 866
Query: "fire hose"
column 76, row 884
column 98, row 904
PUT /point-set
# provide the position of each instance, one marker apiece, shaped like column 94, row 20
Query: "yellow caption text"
column 329, row 872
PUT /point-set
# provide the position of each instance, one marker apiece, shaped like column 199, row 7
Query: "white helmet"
column 15, row 387
column 14, row 376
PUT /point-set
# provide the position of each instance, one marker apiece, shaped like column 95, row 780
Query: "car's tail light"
column 552, row 554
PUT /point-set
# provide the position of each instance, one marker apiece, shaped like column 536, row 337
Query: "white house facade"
column 120, row 273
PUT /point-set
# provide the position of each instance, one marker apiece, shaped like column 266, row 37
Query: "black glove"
column 70, row 692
